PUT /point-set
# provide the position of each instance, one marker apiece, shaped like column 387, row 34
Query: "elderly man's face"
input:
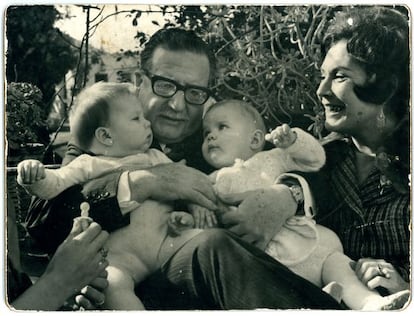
column 173, row 118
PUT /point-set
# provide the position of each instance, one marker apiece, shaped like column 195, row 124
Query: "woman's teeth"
column 335, row 108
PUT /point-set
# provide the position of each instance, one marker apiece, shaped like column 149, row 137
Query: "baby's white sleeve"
column 78, row 171
column 306, row 153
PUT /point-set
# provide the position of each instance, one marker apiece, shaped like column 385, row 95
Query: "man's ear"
column 258, row 139
column 103, row 135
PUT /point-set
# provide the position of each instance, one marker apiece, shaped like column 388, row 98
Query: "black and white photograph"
column 207, row 157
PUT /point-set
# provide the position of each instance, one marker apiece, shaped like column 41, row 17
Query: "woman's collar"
column 363, row 149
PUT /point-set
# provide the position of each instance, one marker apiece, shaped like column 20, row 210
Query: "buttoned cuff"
column 104, row 206
column 308, row 202
column 124, row 193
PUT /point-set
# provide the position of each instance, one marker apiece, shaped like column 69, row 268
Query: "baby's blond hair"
column 92, row 109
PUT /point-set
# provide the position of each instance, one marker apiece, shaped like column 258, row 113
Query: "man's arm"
column 172, row 182
column 260, row 214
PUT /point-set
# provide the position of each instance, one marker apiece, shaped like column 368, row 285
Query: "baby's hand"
column 179, row 221
column 203, row 218
column 282, row 136
column 30, row 171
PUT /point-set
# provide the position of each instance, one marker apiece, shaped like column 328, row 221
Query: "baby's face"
column 131, row 132
column 227, row 136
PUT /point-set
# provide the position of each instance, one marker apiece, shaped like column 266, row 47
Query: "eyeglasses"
column 165, row 87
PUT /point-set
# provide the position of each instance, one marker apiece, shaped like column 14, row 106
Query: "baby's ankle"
column 394, row 301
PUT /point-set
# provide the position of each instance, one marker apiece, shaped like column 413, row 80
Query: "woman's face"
column 345, row 112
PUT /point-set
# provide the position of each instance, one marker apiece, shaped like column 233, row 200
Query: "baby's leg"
column 356, row 295
column 337, row 268
column 120, row 295
column 125, row 271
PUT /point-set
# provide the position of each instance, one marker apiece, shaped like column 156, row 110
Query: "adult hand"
column 203, row 218
column 92, row 296
column 78, row 260
column 172, row 181
column 260, row 214
column 378, row 272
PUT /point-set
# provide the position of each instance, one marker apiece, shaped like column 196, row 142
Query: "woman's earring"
column 381, row 120
column 110, row 142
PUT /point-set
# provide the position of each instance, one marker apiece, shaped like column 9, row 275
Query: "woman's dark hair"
column 377, row 38
column 176, row 39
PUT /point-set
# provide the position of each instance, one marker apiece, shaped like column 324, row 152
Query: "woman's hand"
column 260, row 214
column 92, row 296
column 170, row 182
column 79, row 260
column 378, row 272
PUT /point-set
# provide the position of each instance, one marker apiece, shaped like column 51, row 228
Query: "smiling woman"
column 365, row 94
column 344, row 111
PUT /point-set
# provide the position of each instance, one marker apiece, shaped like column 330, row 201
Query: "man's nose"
column 177, row 101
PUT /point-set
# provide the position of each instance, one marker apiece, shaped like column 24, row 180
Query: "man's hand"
column 173, row 181
column 260, row 214
column 203, row 218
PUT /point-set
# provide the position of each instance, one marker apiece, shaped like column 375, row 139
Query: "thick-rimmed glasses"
column 166, row 87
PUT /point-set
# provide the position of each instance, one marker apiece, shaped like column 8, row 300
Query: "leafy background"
column 267, row 55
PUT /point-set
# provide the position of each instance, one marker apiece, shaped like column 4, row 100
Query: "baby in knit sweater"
column 234, row 137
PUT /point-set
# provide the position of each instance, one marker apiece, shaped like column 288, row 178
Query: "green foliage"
column 267, row 55
column 25, row 116
column 37, row 52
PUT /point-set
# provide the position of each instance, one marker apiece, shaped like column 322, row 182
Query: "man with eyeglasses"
column 215, row 269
